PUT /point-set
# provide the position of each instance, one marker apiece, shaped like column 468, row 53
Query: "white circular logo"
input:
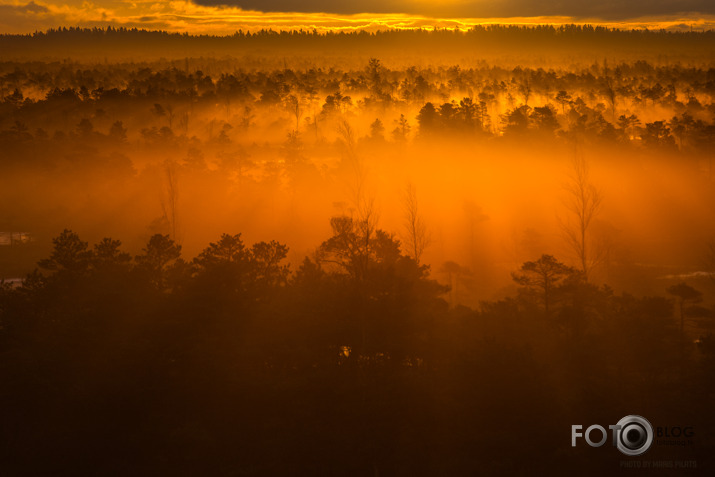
column 634, row 435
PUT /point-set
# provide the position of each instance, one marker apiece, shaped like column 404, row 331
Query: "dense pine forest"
column 481, row 41
column 231, row 363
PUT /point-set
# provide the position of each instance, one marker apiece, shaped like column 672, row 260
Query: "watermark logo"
column 632, row 435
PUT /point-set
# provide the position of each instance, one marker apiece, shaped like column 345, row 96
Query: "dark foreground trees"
column 228, row 364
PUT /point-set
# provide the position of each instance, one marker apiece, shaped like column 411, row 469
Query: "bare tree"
column 313, row 103
column 583, row 200
column 525, row 89
column 169, row 200
column 294, row 104
column 564, row 98
column 416, row 235
column 609, row 90
column 366, row 214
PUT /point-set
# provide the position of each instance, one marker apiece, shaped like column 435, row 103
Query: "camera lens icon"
column 635, row 435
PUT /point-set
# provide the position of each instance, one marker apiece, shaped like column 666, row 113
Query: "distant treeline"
column 513, row 31
column 486, row 40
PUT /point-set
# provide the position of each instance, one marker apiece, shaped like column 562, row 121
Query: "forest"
column 500, row 43
column 305, row 254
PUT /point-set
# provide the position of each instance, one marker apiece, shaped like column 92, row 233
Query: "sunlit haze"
column 357, row 238
column 221, row 18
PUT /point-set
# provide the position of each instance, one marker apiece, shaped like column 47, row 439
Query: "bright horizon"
column 22, row 17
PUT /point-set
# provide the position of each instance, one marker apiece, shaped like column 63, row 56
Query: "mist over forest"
column 320, row 254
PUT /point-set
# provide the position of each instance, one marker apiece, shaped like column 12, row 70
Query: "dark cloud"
column 31, row 7
column 24, row 18
column 607, row 10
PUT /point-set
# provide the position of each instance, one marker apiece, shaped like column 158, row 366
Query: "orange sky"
column 21, row 16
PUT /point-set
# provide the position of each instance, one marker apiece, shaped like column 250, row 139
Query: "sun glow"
column 185, row 16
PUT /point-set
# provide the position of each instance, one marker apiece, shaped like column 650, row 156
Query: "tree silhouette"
column 541, row 278
column 525, row 88
column 629, row 125
column 107, row 255
column 610, row 91
column 294, row 104
column 154, row 264
column 374, row 70
column 70, row 254
column 227, row 272
column 170, row 197
column 583, row 200
column 266, row 259
column 402, row 128
column 544, row 120
column 346, row 248
column 427, row 119
column 516, row 122
column 657, row 134
column 416, row 235
column 377, row 130
column 563, row 98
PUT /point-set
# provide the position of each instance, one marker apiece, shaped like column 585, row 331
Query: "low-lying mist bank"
column 475, row 170
column 487, row 208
